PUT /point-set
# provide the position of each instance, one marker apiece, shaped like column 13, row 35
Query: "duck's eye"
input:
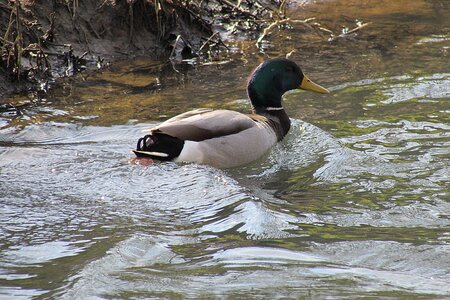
column 290, row 68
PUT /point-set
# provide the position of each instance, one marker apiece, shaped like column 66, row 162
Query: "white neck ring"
column 274, row 108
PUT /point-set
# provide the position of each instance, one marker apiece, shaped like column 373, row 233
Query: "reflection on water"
column 354, row 202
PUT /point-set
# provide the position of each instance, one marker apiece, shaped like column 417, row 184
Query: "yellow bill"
column 308, row 85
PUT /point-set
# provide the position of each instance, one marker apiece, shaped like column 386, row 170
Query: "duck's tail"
column 159, row 146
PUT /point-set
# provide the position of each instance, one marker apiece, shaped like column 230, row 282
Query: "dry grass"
column 20, row 59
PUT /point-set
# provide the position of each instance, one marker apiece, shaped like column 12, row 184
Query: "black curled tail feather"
column 145, row 143
column 159, row 146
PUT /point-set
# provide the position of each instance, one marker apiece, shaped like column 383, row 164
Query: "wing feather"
column 203, row 124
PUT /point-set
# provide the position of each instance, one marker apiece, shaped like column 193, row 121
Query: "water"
column 353, row 203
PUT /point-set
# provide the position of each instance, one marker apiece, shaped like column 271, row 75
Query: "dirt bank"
column 44, row 40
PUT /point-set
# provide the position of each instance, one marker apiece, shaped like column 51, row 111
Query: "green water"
column 353, row 203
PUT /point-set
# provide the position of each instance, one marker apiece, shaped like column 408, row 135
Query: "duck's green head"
column 273, row 78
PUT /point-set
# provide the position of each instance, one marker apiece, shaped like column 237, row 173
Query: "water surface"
column 354, row 202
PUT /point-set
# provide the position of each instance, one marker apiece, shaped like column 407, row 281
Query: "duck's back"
column 203, row 124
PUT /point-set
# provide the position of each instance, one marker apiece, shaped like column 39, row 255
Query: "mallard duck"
column 225, row 138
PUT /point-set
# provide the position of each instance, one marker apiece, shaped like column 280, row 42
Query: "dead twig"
column 358, row 28
column 207, row 41
column 6, row 41
column 6, row 6
column 267, row 30
column 74, row 9
column 159, row 25
column 345, row 34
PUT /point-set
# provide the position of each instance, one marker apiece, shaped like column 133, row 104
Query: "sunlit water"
column 354, row 202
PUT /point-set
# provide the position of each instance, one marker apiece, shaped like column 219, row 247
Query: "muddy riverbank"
column 40, row 42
